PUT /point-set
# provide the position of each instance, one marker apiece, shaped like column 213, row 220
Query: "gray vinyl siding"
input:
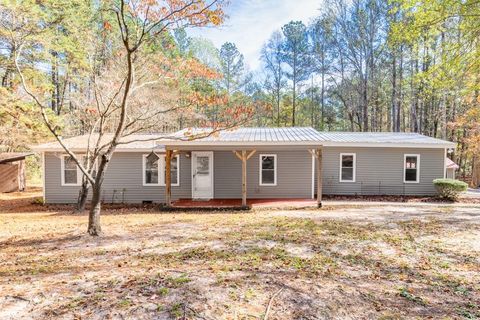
column 294, row 175
column 123, row 181
column 380, row 171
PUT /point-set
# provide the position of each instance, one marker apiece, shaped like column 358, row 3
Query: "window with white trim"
column 154, row 171
column 174, row 172
column 347, row 167
column 71, row 175
column 151, row 167
column 411, row 168
column 268, row 169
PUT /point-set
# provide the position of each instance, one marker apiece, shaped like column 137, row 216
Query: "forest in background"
column 362, row 65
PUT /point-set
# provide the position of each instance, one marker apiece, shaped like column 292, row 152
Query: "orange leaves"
column 107, row 26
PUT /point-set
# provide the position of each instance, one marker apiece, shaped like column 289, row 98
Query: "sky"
column 251, row 22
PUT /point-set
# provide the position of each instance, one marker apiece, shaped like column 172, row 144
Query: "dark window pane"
column 71, row 176
column 347, row 161
column 411, row 175
column 151, row 176
column 411, row 162
column 347, row 174
column 268, row 162
column 173, row 170
column 268, row 176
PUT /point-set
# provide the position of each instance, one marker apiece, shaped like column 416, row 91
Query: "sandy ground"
column 388, row 262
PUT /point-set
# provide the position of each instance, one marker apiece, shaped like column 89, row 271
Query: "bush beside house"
column 449, row 188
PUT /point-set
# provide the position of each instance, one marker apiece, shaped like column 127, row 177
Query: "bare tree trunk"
column 94, row 227
column 82, row 197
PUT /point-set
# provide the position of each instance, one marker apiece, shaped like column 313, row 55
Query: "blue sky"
column 251, row 22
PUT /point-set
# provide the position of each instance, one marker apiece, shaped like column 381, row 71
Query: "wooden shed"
column 12, row 171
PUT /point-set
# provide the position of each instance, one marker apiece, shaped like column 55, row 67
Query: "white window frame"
column 62, row 173
column 354, row 174
column 260, row 170
column 405, row 167
column 161, row 171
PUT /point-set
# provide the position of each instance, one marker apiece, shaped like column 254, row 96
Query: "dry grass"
column 387, row 263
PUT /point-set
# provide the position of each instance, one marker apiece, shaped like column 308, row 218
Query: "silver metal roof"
column 381, row 137
column 287, row 134
column 298, row 136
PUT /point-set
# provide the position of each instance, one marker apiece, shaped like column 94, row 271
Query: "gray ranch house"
column 253, row 163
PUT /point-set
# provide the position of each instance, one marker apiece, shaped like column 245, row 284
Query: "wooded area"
column 115, row 68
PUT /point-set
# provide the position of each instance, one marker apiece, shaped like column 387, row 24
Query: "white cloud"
column 251, row 22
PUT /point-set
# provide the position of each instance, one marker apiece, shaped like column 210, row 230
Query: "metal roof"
column 80, row 143
column 287, row 134
column 392, row 138
column 298, row 136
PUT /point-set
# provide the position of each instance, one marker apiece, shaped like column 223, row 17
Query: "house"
column 253, row 163
column 12, row 171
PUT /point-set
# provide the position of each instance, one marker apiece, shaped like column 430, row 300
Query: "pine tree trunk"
column 94, row 228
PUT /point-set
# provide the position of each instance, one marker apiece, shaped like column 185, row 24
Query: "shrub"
column 449, row 188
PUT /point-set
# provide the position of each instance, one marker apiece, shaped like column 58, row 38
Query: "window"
column 154, row 170
column 347, row 167
column 411, row 168
column 70, row 172
column 173, row 171
column 150, row 170
column 268, row 169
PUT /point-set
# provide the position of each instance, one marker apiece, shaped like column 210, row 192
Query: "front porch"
column 202, row 177
column 250, row 203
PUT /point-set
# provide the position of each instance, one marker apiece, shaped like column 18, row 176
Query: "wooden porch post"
column 319, row 158
column 243, row 156
column 244, row 178
column 168, row 178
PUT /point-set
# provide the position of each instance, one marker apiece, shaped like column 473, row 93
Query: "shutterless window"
column 268, row 169
column 411, row 168
column 70, row 171
column 151, row 170
column 347, row 167
column 174, row 172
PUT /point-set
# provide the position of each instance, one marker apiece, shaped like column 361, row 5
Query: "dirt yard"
column 389, row 262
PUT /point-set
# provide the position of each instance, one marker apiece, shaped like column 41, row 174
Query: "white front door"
column 202, row 175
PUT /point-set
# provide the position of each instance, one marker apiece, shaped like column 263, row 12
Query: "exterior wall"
column 123, row 181
column 294, row 175
column 380, row 171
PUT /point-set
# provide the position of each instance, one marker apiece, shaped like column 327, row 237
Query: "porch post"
column 168, row 178
column 244, row 156
column 244, row 178
column 319, row 157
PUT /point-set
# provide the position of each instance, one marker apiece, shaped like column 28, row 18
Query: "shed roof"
column 6, row 157
column 298, row 136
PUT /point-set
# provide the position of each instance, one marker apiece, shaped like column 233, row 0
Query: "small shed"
column 450, row 168
column 12, row 171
